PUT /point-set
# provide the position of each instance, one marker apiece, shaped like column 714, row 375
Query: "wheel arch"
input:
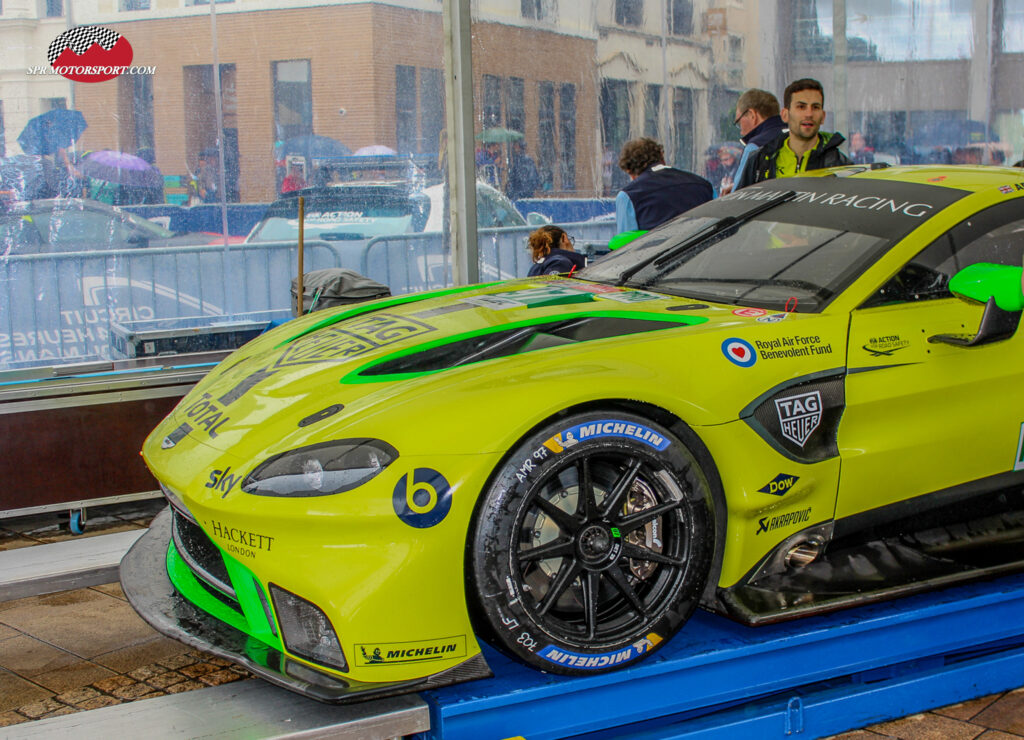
column 650, row 411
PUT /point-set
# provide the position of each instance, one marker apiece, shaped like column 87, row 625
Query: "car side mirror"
column 537, row 219
column 999, row 288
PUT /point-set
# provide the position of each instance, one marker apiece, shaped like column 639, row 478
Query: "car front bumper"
column 150, row 591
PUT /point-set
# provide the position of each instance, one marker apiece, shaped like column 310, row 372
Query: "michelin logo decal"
column 605, row 428
column 600, row 660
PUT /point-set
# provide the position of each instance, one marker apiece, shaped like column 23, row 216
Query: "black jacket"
column 761, row 166
column 760, row 135
column 661, row 193
column 557, row 262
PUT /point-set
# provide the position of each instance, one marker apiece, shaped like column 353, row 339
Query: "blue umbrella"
column 313, row 146
column 53, row 130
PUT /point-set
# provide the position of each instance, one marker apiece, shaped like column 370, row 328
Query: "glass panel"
column 169, row 165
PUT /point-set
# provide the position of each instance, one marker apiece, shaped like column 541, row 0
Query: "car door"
column 925, row 418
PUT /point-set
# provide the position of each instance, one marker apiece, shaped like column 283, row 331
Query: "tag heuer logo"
column 799, row 416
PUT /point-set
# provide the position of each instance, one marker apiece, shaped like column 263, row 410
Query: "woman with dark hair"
column 552, row 252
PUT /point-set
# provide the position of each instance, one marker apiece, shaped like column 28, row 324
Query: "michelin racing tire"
column 592, row 544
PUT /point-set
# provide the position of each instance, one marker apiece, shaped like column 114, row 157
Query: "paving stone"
column 147, row 672
column 1006, row 713
column 99, row 702
column 7, row 632
column 84, row 622
column 74, row 676
column 856, row 735
column 965, row 710
column 998, row 735
column 27, row 657
column 112, row 684
column 198, row 669
column 184, row 686
column 144, row 653
column 928, row 727
column 133, row 692
column 11, row 718
column 111, row 589
column 220, row 677
column 59, row 712
column 164, row 680
column 178, row 662
column 77, row 696
column 16, row 691
column 39, row 708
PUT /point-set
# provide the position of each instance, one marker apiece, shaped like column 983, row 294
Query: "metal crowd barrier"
column 59, row 307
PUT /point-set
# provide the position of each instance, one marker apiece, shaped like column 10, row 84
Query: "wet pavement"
column 77, row 650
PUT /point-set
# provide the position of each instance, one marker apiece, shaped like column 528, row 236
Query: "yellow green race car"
column 802, row 396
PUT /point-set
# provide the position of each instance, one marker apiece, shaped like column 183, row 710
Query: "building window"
column 683, row 125
column 405, row 108
column 546, row 134
column 55, row 104
column 652, row 104
column 682, row 17
column 567, row 136
column 293, row 99
column 142, row 111
column 629, row 12
column 54, row 8
column 492, row 101
column 134, row 5
column 431, row 110
column 515, row 111
column 537, row 10
column 614, row 104
column 3, row 139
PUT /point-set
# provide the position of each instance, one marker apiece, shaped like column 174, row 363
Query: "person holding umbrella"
column 53, row 133
column 119, row 178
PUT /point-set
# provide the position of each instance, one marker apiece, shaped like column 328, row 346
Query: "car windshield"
column 798, row 251
column 345, row 212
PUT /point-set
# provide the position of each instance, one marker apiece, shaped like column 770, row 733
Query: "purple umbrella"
column 119, row 168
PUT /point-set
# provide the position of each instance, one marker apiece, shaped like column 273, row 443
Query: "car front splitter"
column 149, row 590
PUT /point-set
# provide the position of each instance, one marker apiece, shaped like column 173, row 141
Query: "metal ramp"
column 715, row 680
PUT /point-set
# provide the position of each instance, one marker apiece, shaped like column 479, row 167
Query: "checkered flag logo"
column 80, row 39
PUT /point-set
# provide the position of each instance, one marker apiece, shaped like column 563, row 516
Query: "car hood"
column 390, row 368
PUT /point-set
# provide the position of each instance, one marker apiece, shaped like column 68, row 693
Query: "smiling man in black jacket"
column 805, row 146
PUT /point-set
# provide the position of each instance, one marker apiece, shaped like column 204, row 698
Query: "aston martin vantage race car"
column 803, row 396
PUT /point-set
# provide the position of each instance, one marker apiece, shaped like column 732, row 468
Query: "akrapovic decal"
column 1018, row 463
column 422, row 498
column 782, row 521
column 605, row 428
column 592, row 661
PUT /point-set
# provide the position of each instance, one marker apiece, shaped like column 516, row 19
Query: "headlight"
column 321, row 469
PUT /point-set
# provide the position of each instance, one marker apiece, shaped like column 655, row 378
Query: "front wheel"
column 593, row 543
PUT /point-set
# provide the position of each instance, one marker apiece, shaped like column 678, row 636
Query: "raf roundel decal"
column 739, row 352
column 422, row 498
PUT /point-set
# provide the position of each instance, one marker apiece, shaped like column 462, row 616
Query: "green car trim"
column 379, row 306
column 357, row 376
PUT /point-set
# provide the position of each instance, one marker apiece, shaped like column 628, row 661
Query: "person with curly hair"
column 552, row 252
column 657, row 192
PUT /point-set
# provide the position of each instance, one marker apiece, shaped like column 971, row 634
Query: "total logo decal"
column 739, row 352
column 591, row 661
column 799, row 416
column 422, row 498
column 605, row 428
column 778, row 485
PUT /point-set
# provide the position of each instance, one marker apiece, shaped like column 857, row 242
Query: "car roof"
column 972, row 178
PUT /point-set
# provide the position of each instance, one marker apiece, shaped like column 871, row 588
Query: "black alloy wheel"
column 593, row 544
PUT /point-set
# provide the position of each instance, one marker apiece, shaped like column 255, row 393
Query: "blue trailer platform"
column 806, row 678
